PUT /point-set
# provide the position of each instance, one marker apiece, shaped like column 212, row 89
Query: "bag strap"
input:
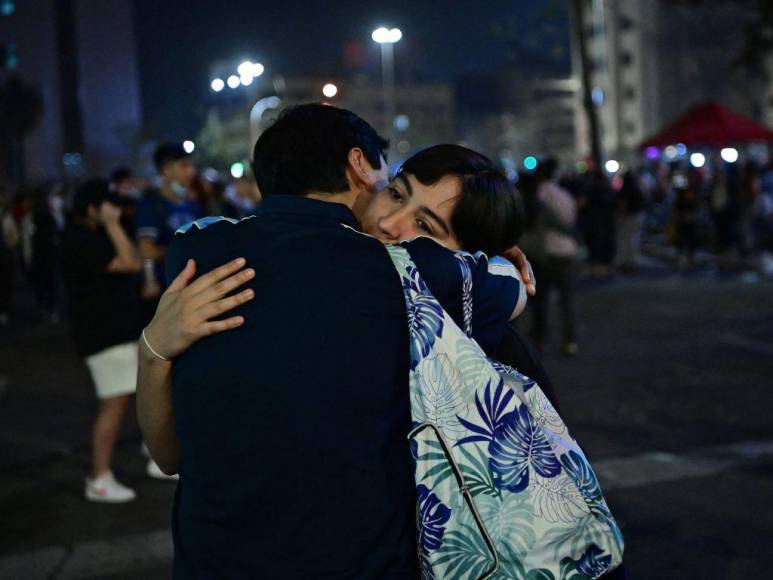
column 464, row 489
column 466, row 294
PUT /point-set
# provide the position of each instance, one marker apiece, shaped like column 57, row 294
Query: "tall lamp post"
column 387, row 37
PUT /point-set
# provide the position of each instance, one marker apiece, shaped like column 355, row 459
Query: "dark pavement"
column 671, row 397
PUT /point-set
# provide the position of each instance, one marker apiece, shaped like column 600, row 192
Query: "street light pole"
column 387, row 39
column 388, row 79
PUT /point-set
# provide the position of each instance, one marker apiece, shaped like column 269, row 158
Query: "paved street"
column 670, row 396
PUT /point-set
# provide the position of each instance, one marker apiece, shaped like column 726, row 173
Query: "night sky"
column 179, row 40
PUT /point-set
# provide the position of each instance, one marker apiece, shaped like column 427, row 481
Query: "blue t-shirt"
column 158, row 219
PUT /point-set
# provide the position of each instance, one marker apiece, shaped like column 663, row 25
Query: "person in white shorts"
column 100, row 270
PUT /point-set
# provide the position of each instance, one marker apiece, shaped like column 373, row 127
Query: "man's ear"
column 359, row 169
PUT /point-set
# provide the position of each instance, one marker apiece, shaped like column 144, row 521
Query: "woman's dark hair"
column 306, row 150
column 488, row 216
column 92, row 192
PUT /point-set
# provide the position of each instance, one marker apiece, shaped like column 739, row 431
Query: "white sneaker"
column 107, row 489
column 155, row 472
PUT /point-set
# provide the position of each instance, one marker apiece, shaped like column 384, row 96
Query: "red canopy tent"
column 710, row 125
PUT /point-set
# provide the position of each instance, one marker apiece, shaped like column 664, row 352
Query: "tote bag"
column 503, row 489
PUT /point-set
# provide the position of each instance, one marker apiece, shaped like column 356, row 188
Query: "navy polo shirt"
column 294, row 462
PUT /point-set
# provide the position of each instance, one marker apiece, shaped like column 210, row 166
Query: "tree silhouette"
column 21, row 107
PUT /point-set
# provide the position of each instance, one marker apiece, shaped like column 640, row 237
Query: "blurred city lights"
column 403, row 146
column 681, row 148
column 384, row 35
column 402, row 122
column 697, row 160
column 217, row 85
column 612, row 166
column 597, row 96
column 244, row 69
column 652, row 152
column 7, row 7
column 189, row 146
column 670, row 152
column 582, row 167
column 729, row 154
column 246, row 80
column 330, row 90
column 234, row 81
column 237, row 170
column 257, row 69
column 530, row 163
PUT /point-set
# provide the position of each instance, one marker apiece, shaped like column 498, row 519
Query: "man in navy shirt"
column 293, row 459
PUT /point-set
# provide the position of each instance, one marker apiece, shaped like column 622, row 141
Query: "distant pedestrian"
column 9, row 240
column 127, row 195
column 100, row 268
column 687, row 213
column 630, row 217
column 160, row 212
column 557, row 262
column 599, row 222
column 44, row 234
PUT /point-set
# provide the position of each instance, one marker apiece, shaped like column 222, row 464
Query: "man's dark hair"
column 92, row 193
column 306, row 150
column 119, row 174
column 488, row 216
column 168, row 153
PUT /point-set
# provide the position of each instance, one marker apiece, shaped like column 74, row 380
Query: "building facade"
column 653, row 59
column 80, row 55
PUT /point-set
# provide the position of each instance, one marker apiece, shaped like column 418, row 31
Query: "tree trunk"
column 587, row 89
column 21, row 165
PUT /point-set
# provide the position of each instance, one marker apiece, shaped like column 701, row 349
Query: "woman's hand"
column 185, row 312
column 518, row 258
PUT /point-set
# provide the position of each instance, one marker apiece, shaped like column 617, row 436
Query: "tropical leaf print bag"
column 503, row 490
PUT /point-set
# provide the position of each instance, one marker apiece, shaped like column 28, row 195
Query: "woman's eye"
column 396, row 195
column 424, row 226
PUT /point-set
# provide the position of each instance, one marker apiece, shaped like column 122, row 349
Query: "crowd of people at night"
column 578, row 222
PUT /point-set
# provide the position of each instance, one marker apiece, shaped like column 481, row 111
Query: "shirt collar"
column 296, row 204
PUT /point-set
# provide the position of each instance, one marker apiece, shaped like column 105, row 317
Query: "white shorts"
column 114, row 370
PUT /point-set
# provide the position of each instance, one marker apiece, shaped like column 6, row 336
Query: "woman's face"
column 407, row 209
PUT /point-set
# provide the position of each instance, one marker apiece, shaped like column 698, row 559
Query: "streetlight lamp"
column 248, row 71
column 217, row 85
column 387, row 38
column 330, row 90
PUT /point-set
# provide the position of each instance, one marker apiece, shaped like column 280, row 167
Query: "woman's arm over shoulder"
column 497, row 292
